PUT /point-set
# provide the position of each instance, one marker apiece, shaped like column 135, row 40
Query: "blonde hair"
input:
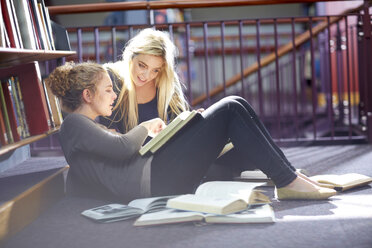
column 170, row 94
column 68, row 81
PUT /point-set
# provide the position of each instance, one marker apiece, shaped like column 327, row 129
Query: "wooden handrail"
column 145, row 5
column 300, row 39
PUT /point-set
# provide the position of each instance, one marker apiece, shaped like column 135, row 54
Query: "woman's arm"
column 84, row 135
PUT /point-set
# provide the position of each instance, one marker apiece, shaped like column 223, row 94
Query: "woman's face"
column 104, row 96
column 145, row 69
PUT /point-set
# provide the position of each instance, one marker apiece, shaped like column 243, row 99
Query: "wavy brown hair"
column 68, row 81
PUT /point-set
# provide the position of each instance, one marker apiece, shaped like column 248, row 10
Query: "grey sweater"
column 105, row 161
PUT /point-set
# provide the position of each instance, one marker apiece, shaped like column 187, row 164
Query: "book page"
column 168, row 216
column 207, row 204
column 167, row 132
column 151, row 203
column 240, row 190
column 254, row 214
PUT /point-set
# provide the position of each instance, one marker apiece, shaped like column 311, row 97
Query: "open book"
column 220, row 197
column 342, row 182
column 254, row 214
column 115, row 212
column 177, row 124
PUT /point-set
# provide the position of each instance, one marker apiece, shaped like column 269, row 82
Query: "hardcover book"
column 342, row 182
column 167, row 133
column 4, row 110
column 15, row 125
column 9, row 23
column 25, row 25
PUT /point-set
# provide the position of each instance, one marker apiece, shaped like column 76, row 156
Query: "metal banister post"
column 365, row 77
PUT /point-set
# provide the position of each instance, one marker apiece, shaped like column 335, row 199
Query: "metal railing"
column 304, row 76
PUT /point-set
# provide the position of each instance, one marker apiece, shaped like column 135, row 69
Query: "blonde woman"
column 146, row 82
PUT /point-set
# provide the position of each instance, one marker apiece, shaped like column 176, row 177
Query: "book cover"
column 60, row 37
column 25, row 25
column 254, row 214
column 6, row 36
column 9, row 24
column 44, row 13
column 6, row 117
column 39, row 24
column 17, row 90
column 53, row 106
column 35, row 25
column 3, row 135
column 12, row 84
column 43, row 26
column 17, row 29
column 11, row 110
column 220, row 197
column 33, row 96
column 2, row 30
column 167, row 133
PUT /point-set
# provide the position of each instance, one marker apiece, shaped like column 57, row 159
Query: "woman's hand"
column 200, row 110
column 154, row 126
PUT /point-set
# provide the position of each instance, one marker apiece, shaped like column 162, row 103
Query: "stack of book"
column 13, row 124
column 213, row 202
column 25, row 24
column 27, row 106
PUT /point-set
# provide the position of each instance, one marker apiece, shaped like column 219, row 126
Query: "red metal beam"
column 145, row 5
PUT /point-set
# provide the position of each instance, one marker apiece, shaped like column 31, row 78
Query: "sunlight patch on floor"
column 345, row 207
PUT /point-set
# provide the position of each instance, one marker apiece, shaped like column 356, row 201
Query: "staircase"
column 27, row 190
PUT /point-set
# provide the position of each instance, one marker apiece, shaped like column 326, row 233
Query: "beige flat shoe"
column 289, row 194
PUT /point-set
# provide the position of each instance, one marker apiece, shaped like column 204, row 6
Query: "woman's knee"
column 235, row 98
column 234, row 104
column 243, row 102
column 225, row 106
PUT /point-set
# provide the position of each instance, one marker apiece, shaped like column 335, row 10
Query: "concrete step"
column 24, row 197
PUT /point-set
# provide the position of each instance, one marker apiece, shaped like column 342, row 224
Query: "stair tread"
column 35, row 164
column 25, row 175
column 23, row 197
column 11, row 187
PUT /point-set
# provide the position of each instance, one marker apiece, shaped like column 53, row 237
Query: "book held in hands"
column 168, row 132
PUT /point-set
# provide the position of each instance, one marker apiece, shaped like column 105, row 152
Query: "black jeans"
column 182, row 164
